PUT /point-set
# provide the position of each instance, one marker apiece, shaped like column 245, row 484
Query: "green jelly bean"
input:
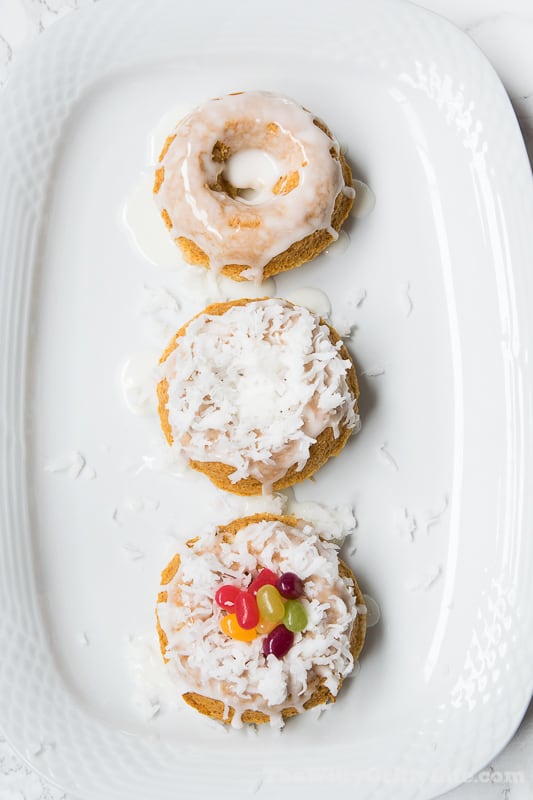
column 295, row 618
column 271, row 606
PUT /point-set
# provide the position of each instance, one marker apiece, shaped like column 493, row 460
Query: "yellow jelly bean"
column 270, row 603
column 265, row 626
column 230, row 626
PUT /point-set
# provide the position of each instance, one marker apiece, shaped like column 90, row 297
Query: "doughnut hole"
column 258, row 160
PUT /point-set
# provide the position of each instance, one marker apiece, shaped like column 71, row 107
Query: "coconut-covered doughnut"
column 233, row 674
column 251, row 185
column 257, row 394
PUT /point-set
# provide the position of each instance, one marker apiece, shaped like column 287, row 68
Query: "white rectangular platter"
column 436, row 282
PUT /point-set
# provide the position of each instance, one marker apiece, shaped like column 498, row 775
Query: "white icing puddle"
column 146, row 227
column 138, row 381
column 315, row 300
column 373, row 613
column 365, row 200
column 339, row 246
column 163, row 128
column 235, row 290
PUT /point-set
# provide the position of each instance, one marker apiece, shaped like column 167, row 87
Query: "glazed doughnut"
column 233, row 680
column 257, row 394
column 251, row 185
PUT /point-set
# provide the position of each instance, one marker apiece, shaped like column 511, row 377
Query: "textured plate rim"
column 21, row 626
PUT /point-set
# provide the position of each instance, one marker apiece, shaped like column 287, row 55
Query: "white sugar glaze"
column 249, row 229
column 137, row 383
column 142, row 220
column 365, row 200
column 339, row 246
column 166, row 122
column 313, row 299
column 253, row 388
column 237, row 672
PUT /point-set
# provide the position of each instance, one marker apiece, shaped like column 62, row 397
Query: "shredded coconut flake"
column 71, row 464
column 387, row 457
column 436, row 516
column 404, row 299
column 334, row 522
column 137, row 504
column 406, row 524
column 359, row 298
column 132, row 551
column 41, row 747
column 374, row 372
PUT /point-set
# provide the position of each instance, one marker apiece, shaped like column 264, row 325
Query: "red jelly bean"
column 246, row 610
column 264, row 577
column 290, row 586
column 226, row 597
column 278, row 642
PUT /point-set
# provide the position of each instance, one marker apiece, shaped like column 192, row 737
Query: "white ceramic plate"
column 447, row 674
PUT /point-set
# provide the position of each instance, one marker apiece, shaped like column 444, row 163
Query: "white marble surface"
column 503, row 29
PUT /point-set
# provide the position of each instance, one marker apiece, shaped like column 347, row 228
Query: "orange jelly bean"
column 266, row 625
column 230, row 626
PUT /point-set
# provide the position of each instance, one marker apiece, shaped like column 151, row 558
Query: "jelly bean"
column 290, row 585
column 230, row 626
column 278, row 642
column 264, row 626
column 295, row 618
column 226, row 596
column 246, row 610
column 266, row 576
column 271, row 606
